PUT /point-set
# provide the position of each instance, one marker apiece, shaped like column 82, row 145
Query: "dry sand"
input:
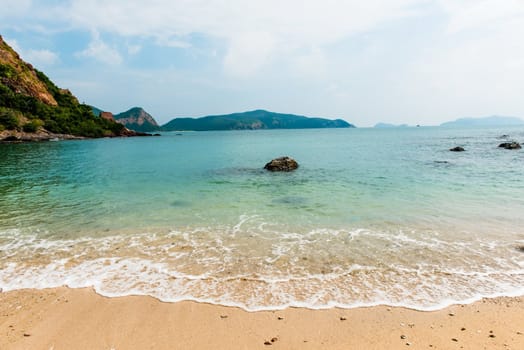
column 65, row 318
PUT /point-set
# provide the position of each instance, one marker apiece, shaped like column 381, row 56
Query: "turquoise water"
column 371, row 216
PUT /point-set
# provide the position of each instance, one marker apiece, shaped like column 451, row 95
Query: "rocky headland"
column 33, row 108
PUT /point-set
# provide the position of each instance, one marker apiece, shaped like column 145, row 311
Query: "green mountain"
column 486, row 121
column 253, row 120
column 138, row 120
column 32, row 106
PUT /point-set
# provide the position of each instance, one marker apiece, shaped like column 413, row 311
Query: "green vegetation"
column 33, row 125
column 68, row 117
column 253, row 120
column 9, row 118
column 7, row 71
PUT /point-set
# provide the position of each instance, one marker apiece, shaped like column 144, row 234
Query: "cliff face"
column 137, row 119
column 107, row 116
column 21, row 77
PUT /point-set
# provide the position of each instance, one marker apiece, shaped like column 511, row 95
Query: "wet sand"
column 64, row 318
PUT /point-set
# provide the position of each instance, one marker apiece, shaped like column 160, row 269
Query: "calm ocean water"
column 372, row 216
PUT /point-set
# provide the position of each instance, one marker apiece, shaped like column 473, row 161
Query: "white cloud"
column 313, row 64
column 41, row 57
column 100, row 51
column 303, row 20
column 37, row 58
column 472, row 14
column 133, row 49
column 248, row 52
column 256, row 31
column 14, row 7
column 419, row 58
column 477, row 75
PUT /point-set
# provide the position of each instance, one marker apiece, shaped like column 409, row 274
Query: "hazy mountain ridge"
column 253, row 120
column 388, row 125
column 494, row 120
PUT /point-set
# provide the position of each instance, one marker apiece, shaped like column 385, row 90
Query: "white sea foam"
column 255, row 267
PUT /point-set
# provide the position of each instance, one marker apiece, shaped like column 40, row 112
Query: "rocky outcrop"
column 13, row 136
column 457, row 149
column 282, row 164
column 107, row 116
column 129, row 133
column 41, row 135
column 137, row 119
column 21, row 77
column 510, row 145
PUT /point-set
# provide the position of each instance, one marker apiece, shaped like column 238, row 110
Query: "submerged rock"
column 510, row 145
column 282, row 164
column 457, row 149
column 11, row 139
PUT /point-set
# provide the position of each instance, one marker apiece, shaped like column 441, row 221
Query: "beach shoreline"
column 65, row 318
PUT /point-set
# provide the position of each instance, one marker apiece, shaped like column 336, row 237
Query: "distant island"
column 253, row 120
column 137, row 119
column 33, row 108
column 485, row 121
column 387, row 125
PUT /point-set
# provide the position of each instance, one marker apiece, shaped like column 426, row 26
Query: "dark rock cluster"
column 282, row 164
column 457, row 149
column 510, row 145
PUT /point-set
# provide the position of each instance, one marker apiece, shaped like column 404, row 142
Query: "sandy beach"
column 64, row 318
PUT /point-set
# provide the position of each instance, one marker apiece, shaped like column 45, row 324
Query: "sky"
column 396, row 61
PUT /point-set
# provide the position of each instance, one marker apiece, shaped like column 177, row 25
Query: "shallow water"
column 372, row 216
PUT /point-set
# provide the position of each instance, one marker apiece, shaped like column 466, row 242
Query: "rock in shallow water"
column 510, row 145
column 457, row 149
column 282, row 164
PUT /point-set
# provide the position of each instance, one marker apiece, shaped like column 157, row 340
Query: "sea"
column 371, row 217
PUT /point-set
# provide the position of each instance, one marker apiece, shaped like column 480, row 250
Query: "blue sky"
column 398, row 61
